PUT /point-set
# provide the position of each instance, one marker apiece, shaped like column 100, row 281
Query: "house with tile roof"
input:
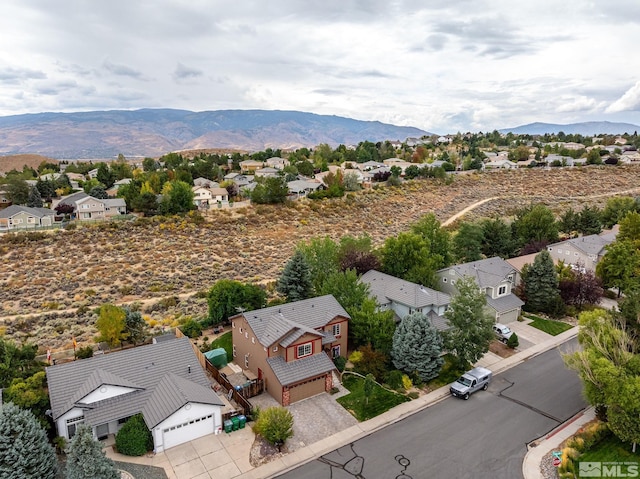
column 495, row 277
column 405, row 297
column 163, row 381
column 18, row 217
column 291, row 346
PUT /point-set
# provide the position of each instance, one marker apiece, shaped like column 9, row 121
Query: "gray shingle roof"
column 505, row 303
column 488, row 273
column 591, row 244
column 156, row 370
column 15, row 209
column 284, row 322
column 437, row 321
column 387, row 288
column 301, row 369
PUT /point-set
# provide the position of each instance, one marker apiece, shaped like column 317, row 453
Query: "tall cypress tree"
column 295, row 282
column 25, row 452
column 417, row 346
column 86, row 458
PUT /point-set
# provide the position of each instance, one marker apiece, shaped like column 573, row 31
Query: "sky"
column 439, row 65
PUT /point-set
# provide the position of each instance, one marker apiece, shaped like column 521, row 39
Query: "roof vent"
column 189, row 369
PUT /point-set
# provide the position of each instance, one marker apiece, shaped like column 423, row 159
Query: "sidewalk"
column 541, row 447
column 301, row 456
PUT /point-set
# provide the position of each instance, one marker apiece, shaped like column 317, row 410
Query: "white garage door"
column 188, row 431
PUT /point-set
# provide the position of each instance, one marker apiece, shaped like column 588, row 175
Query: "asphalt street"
column 484, row 437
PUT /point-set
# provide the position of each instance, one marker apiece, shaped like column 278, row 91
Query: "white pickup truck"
column 470, row 382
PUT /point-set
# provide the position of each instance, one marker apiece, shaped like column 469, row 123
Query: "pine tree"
column 470, row 329
column 417, row 346
column 86, row 459
column 35, row 199
column 295, row 281
column 24, row 450
column 541, row 284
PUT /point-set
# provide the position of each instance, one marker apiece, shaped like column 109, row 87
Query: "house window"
column 444, row 280
column 31, row 220
column 575, row 253
column 550, row 249
column 246, row 335
column 72, row 425
column 335, row 351
column 234, row 351
column 305, row 349
column 502, row 290
column 453, row 281
column 559, row 251
column 240, row 329
column 233, row 324
column 246, row 360
column 510, row 277
column 568, row 252
column 275, row 349
column 253, row 340
column 335, row 330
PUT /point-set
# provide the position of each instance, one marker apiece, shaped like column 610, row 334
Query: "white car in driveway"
column 502, row 331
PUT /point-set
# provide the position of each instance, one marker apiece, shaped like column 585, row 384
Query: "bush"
column 373, row 362
column 134, row 439
column 275, row 424
column 85, row 352
column 513, row 341
column 340, row 363
column 191, row 328
column 394, row 379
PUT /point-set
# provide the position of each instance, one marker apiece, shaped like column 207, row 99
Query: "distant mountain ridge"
column 587, row 128
column 154, row 132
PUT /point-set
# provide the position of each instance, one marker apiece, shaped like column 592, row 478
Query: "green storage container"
column 228, row 425
column 236, row 423
column 243, row 420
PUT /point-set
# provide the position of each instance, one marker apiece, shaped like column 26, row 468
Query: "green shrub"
column 191, row 328
column 275, row 424
column 340, row 363
column 394, row 379
column 134, row 439
column 513, row 341
column 414, row 394
column 85, row 352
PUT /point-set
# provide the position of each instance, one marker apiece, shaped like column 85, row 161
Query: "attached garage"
column 187, row 431
column 306, row 389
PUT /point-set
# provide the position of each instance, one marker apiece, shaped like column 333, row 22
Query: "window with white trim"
column 275, row 349
column 444, row 280
column 305, row 349
column 253, row 340
column 246, row 360
column 234, row 351
column 335, row 329
column 502, row 290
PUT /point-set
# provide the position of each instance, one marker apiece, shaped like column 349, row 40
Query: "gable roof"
column 487, row 273
column 13, row 210
column 151, row 370
column 386, row 288
column 504, row 304
column 590, row 244
column 300, row 369
column 288, row 322
column 73, row 198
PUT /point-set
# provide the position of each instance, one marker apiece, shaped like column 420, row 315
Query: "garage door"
column 188, row 431
column 306, row 389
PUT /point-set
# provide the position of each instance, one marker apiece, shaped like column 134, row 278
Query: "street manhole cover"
column 125, row 475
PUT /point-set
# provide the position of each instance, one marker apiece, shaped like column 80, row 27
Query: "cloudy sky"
column 440, row 65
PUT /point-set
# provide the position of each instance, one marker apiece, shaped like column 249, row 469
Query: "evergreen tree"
column 86, row 459
column 99, row 192
column 25, row 452
column 467, row 243
column 590, row 222
column 35, row 199
column 417, row 346
column 498, row 239
column 135, row 326
column 541, row 285
column 105, row 175
column 470, row 329
column 295, row 281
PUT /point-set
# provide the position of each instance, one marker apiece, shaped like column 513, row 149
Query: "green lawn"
column 611, row 449
column 225, row 341
column 380, row 400
column 549, row 326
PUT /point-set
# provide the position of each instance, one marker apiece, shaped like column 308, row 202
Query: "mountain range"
column 154, row 132
column 587, row 128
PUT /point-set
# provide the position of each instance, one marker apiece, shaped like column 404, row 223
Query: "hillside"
column 154, row 132
column 61, row 277
column 18, row 162
column 589, row 128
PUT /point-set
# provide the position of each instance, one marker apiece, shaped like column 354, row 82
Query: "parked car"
column 470, row 382
column 503, row 332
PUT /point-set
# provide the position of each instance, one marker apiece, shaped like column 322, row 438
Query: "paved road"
column 484, row 437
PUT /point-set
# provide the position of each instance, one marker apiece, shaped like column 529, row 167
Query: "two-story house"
column 583, row 251
column 290, row 346
column 404, row 297
column 495, row 277
column 90, row 208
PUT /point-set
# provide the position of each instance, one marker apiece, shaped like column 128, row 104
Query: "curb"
column 400, row 412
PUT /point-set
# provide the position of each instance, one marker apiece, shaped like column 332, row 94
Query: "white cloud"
column 630, row 101
column 439, row 65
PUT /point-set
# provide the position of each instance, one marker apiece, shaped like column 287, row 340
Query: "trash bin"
column 236, row 422
column 228, row 425
column 243, row 420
